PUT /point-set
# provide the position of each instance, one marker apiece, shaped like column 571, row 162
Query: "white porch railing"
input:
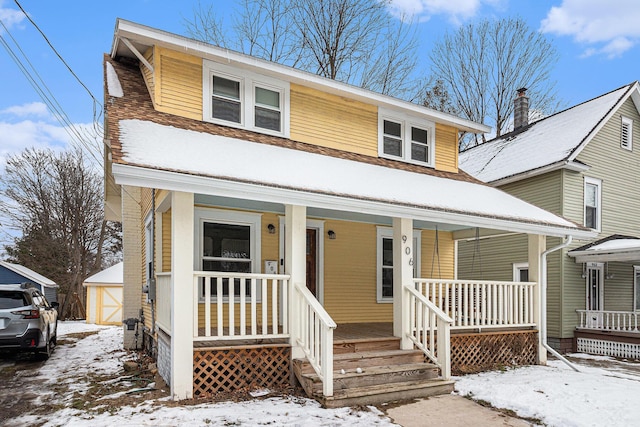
column 482, row 304
column 163, row 300
column 315, row 335
column 601, row 320
column 235, row 306
column 426, row 324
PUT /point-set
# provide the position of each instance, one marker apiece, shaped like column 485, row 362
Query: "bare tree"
column 55, row 201
column 483, row 64
column 353, row 41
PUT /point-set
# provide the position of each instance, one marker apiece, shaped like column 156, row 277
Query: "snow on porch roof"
column 315, row 178
column 612, row 248
column 113, row 274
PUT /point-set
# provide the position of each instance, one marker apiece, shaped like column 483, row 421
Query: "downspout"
column 153, row 262
column 543, row 302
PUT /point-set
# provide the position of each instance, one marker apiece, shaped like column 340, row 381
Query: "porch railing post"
column 403, row 259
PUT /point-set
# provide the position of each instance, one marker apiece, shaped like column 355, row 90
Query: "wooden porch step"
column 377, row 394
column 365, row 344
column 376, row 375
column 365, row 359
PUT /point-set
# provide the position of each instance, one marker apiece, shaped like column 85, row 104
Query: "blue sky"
column 597, row 42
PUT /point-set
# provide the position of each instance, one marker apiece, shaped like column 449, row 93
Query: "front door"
column 594, row 287
column 312, row 260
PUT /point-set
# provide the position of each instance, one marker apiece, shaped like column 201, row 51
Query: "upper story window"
column 626, row 134
column 592, row 203
column 406, row 139
column 246, row 100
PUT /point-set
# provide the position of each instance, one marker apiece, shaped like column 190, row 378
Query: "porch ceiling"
column 230, row 167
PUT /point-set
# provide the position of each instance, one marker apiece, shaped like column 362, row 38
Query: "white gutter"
column 543, row 298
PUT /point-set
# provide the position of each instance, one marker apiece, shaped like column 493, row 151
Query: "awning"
column 615, row 248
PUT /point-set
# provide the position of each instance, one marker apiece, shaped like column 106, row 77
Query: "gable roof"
column 29, row 274
column 112, row 275
column 549, row 143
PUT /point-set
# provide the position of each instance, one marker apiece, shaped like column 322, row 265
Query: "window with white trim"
column 626, row 134
column 636, row 287
column 385, row 262
column 228, row 242
column 592, row 203
column 521, row 272
column 246, row 100
column 405, row 139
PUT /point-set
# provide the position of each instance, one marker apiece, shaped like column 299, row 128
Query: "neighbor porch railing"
column 427, row 323
column 315, row 335
column 482, row 304
column 163, row 300
column 236, row 306
column 601, row 320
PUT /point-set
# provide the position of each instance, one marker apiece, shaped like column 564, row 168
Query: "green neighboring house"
column 582, row 164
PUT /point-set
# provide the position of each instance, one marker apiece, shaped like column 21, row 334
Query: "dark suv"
column 27, row 321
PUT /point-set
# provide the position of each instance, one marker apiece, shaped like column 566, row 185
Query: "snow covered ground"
column 604, row 393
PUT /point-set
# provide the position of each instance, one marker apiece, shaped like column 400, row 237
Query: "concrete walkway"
column 450, row 410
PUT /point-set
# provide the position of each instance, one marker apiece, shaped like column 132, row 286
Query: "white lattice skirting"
column 609, row 348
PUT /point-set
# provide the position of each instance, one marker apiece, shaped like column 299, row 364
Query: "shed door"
column 110, row 310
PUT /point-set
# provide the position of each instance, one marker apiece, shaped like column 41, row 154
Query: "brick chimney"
column 521, row 109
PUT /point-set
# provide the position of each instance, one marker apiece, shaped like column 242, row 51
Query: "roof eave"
column 563, row 164
column 151, row 36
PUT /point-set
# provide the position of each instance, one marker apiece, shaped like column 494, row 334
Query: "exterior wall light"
column 271, row 228
column 331, row 234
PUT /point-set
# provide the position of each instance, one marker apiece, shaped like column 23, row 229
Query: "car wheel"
column 45, row 352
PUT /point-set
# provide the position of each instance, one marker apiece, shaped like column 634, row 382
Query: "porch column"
column 295, row 249
column 402, row 276
column 537, row 245
column 182, row 295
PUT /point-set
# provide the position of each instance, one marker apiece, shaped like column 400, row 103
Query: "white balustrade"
column 315, row 335
column 427, row 323
column 482, row 304
column 236, row 306
column 607, row 320
column 163, row 301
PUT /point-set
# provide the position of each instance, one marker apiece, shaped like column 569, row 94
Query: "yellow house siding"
column 350, row 274
column 446, row 148
column 179, row 84
column 432, row 265
column 331, row 121
column 166, row 241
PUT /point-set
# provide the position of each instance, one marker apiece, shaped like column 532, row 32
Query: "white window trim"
column 598, row 184
column 387, row 233
column 253, row 220
column 599, row 267
column 148, row 255
column 628, row 122
column 636, row 284
column 406, row 122
column 248, row 82
column 517, row 266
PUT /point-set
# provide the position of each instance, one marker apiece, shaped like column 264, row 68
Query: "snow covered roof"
column 554, row 140
column 612, row 248
column 161, row 156
column 112, row 275
column 29, row 274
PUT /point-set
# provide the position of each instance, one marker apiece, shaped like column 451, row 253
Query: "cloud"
column 33, row 109
column 9, row 17
column 456, row 11
column 606, row 28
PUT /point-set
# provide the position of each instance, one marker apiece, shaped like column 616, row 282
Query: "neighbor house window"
column 626, row 139
column 242, row 99
column 592, row 203
column 521, row 272
column 228, row 243
column 405, row 139
column 385, row 262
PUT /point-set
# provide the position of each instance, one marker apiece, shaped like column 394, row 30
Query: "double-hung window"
column 246, row 100
column 406, row 139
column 636, row 287
column 626, row 133
column 385, row 262
column 228, row 243
column 592, row 203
